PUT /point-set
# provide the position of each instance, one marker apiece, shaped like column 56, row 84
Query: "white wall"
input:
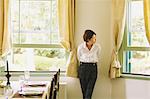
column 130, row 89
column 95, row 15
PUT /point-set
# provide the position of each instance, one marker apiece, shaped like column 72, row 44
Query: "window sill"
column 136, row 76
column 37, row 76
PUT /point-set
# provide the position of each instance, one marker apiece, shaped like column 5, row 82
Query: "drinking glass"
column 8, row 91
column 26, row 75
column 21, row 82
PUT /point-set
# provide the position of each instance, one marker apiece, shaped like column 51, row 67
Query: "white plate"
column 30, row 92
column 35, row 83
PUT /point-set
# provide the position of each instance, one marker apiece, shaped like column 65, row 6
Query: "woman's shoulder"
column 97, row 45
column 81, row 44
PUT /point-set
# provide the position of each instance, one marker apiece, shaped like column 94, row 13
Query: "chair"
column 53, row 88
column 55, row 94
column 56, row 80
column 50, row 90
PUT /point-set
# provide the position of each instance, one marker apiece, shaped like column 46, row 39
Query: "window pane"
column 14, row 20
column 136, row 34
column 137, row 62
column 34, row 21
column 38, row 59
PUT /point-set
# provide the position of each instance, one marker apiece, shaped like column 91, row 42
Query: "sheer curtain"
column 118, row 25
column 4, row 33
column 66, row 14
column 147, row 18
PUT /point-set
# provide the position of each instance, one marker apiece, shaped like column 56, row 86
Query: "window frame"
column 125, row 48
column 50, row 45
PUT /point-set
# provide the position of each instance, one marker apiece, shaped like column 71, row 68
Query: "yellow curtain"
column 147, row 18
column 66, row 14
column 4, row 32
column 118, row 25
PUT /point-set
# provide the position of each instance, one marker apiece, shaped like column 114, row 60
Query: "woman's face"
column 93, row 39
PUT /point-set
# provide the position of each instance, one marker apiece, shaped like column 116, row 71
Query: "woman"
column 88, row 55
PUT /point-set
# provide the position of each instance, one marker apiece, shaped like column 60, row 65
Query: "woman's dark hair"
column 88, row 34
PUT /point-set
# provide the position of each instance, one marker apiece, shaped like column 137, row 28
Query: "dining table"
column 27, row 90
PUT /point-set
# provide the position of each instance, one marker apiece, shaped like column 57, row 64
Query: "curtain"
column 4, row 33
column 66, row 14
column 147, row 18
column 118, row 25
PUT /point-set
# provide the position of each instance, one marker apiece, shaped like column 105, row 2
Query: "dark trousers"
column 87, row 73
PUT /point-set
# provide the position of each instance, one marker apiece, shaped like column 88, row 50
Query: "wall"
column 95, row 15
column 124, row 88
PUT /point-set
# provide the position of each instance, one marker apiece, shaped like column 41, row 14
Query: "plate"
column 34, row 84
column 30, row 92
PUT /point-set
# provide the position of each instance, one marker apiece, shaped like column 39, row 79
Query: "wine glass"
column 8, row 91
column 21, row 82
column 26, row 75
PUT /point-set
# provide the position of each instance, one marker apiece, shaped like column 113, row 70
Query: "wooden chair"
column 53, row 87
column 56, row 80
column 50, row 90
column 55, row 94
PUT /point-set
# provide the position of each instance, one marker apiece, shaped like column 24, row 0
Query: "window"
column 136, row 49
column 35, row 36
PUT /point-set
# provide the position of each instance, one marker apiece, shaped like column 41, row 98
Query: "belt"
column 88, row 63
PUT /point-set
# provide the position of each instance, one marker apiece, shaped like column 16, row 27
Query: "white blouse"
column 86, row 55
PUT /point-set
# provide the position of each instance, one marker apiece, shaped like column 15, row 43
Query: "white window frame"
column 38, row 46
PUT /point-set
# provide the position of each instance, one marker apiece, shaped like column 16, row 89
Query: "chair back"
column 53, row 88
